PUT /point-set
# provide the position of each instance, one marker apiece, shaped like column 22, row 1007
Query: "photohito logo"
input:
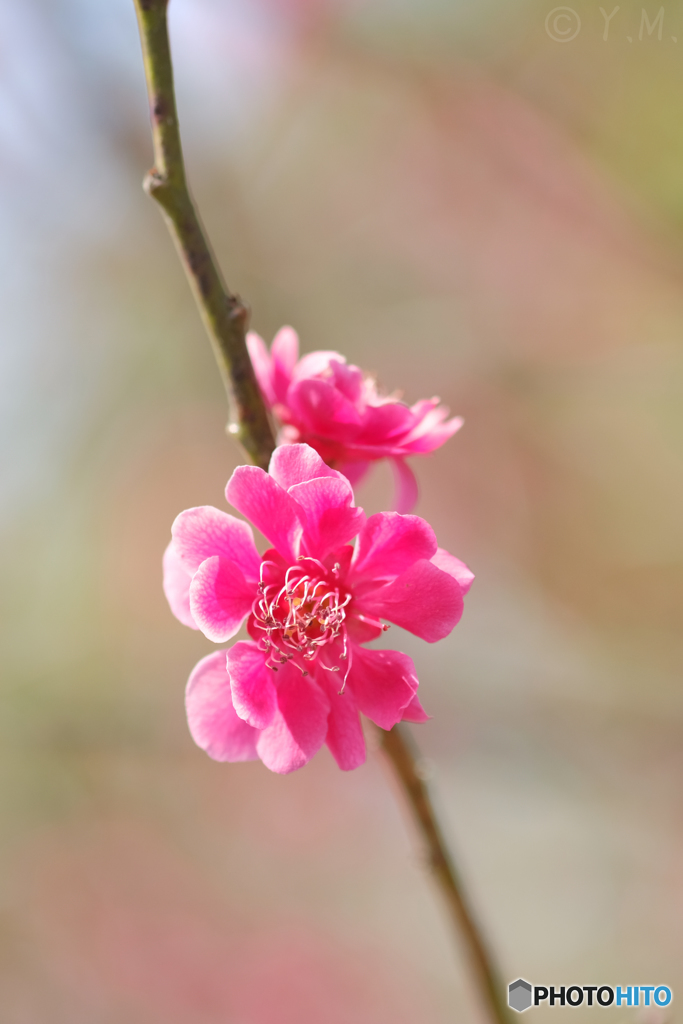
column 522, row 995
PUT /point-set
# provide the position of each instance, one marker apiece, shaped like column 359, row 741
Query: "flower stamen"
column 300, row 617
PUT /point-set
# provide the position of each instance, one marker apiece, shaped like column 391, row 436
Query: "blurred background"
column 469, row 207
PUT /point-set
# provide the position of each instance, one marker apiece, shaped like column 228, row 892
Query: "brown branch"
column 401, row 750
column 225, row 316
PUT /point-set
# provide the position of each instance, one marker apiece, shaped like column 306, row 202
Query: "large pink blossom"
column 311, row 601
column 331, row 405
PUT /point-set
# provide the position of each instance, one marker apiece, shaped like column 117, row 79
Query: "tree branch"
column 225, row 316
column 402, row 751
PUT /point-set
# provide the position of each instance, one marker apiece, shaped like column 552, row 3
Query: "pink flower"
column 311, row 601
column 332, row 406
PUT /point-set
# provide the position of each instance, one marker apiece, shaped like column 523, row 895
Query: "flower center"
column 300, row 616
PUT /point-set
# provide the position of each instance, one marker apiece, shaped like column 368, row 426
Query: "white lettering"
column 608, row 18
column 645, row 22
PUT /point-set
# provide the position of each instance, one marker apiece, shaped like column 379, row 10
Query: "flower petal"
column 263, row 366
column 389, row 543
column 299, row 727
column 292, row 464
column 253, row 692
column 407, row 491
column 331, row 519
column 384, row 683
column 324, row 410
column 354, row 471
column 315, row 363
column 214, row 724
column 284, row 353
column 344, row 732
column 424, row 600
column 177, row 586
column 432, row 432
column 220, row 598
column 361, row 630
column 458, row 570
column 347, row 378
column 414, row 712
column 201, row 532
column 258, row 497
column 382, row 423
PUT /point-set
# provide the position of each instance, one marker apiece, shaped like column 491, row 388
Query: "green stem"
column 402, row 751
column 225, row 316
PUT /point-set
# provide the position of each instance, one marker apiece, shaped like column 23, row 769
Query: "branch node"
column 238, row 312
column 154, row 182
column 225, row 316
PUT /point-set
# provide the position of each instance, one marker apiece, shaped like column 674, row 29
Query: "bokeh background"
column 454, row 200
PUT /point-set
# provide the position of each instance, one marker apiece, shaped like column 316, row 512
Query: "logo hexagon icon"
column 519, row 995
